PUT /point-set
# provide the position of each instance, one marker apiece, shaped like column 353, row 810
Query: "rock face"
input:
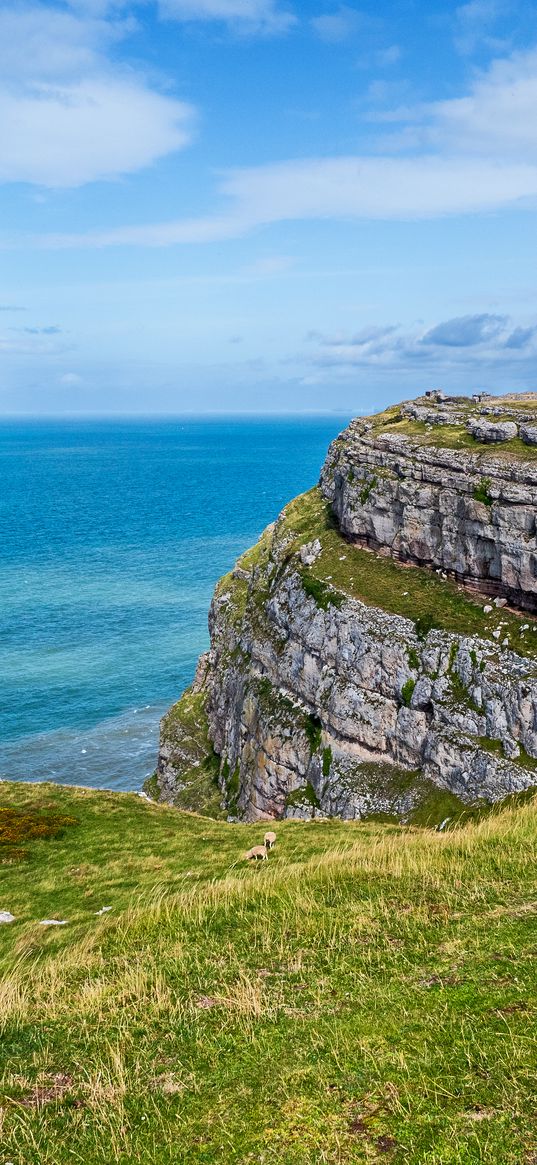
column 341, row 682
column 454, row 505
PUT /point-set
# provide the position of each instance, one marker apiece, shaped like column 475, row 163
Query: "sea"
column 112, row 536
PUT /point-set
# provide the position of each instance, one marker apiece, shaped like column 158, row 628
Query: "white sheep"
column 257, row 853
column 269, row 839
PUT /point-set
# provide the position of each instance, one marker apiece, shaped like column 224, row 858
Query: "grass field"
column 366, row 995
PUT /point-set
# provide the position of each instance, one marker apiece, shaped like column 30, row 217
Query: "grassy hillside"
column 367, row 995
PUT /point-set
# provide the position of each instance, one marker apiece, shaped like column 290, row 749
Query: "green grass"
column 417, row 594
column 323, row 595
column 482, row 492
column 313, row 730
column 452, row 437
column 367, row 489
column 327, row 761
column 495, row 746
column 407, row 691
column 305, row 796
column 367, row 995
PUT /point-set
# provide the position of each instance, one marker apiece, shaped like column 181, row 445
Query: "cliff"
column 357, row 665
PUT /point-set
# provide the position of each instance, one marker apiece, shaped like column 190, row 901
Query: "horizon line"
column 175, row 415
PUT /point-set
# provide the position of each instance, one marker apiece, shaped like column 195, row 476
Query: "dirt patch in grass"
column 49, row 1091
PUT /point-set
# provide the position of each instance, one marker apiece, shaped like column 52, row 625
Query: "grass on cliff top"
column 416, row 593
column 452, row 437
column 367, row 995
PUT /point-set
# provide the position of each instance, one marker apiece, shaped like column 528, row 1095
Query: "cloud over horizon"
column 464, row 341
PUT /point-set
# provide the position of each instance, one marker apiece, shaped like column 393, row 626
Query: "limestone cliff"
column 447, row 487
column 351, row 669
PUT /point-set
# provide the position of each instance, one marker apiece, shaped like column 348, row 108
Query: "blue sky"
column 265, row 205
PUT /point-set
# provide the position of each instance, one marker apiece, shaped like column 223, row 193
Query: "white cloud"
column 338, row 26
column 71, row 379
column 379, row 188
column 463, row 342
column 269, row 265
column 98, row 129
column 477, row 153
column 334, row 188
column 474, row 22
column 46, row 43
column 68, row 115
column 23, row 342
column 466, row 331
column 498, row 118
column 388, row 56
column 263, row 16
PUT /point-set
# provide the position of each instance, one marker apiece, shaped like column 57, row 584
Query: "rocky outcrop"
column 491, row 432
column 457, row 506
column 528, row 434
column 340, row 682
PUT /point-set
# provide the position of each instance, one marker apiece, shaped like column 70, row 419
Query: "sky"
column 265, row 205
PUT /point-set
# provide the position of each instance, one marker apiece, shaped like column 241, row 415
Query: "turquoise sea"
column 112, row 535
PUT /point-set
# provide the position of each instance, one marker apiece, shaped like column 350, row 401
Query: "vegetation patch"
column 232, row 787
column 367, row 490
column 257, row 556
column 313, row 729
column 272, row 702
column 407, row 692
column 323, row 595
column 451, row 437
column 482, row 492
column 305, row 795
column 425, row 623
column 327, row 761
column 427, row 804
column 19, row 826
column 488, row 744
column 461, row 695
column 185, row 730
column 413, row 658
column 524, row 760
column 234, row 588
column 151, row 787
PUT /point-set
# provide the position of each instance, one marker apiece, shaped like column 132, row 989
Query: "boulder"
column 490, row 432
column 528, row 434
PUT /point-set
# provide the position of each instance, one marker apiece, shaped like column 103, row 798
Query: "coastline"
column 127, row 742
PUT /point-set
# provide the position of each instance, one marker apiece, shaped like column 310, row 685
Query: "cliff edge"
column 375, row 652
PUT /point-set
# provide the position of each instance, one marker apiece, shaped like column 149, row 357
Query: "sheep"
column 257, row 852
column 269, row 839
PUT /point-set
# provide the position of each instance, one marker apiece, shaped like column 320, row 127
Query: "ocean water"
column 112, row 536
